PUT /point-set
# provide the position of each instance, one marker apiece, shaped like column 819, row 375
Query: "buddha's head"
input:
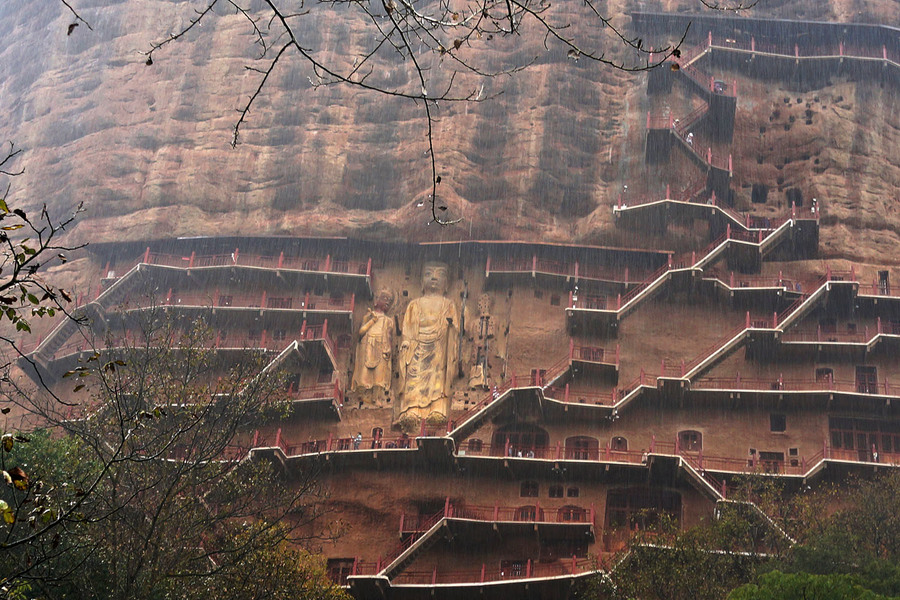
column 435, row 278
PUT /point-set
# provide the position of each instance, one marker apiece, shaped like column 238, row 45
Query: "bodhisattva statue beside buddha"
column 372, row 372
column 429, row 352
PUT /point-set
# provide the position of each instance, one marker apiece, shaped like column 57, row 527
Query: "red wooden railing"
column 236, row 258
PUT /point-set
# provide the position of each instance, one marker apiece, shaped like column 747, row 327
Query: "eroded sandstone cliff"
column 147, row 147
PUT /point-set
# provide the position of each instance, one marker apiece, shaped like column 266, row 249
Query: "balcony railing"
column 530, row 569
column 879, row 388
column 236, row 258
column 265, row 300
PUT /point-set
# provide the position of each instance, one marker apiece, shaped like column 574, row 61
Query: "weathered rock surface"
column 147, row 147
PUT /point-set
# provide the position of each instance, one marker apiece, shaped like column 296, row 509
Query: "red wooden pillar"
column 617, row 357
column 567, row 393
column 352, row 302
column 325, row 330
column 528, row 569
column 234, row 257
column 327, row 263
column 571, row 302
column 618, row 301
column 728, row 231
column 262, row 302
column 626, row 275
column 281, row 260
column 558, row 450
column 668, row 192
column 752, row 44
column 482, row 572
column 369, row 268
column 447, row 507
column 306, row 301
column 329, row 442
column 571, row 349
column 278, row 437
column 487, row 266
column 191, row 261
column 147, row 255
column 534, row 265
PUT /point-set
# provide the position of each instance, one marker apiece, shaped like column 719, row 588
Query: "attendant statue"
column 373, row 354
column 429, row 351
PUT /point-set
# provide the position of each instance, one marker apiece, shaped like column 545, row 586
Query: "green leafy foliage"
column 153, row 493
column 804, row 586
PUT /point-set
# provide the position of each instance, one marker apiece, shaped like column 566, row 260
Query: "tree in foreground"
column 145, row 491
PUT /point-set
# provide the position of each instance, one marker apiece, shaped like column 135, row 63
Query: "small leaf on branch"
column 20, row 212
column 3, row 205
column 5, row 410
column 457, row 44
column 149, row 61
column 676, row 53
column 7, row 442
column 65, row 296
column 12, row 227
column 437, row 179
column 19, row 478
column 675, row 66
column 71, row 28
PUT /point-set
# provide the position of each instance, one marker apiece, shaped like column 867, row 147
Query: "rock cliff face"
column 147, row 147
